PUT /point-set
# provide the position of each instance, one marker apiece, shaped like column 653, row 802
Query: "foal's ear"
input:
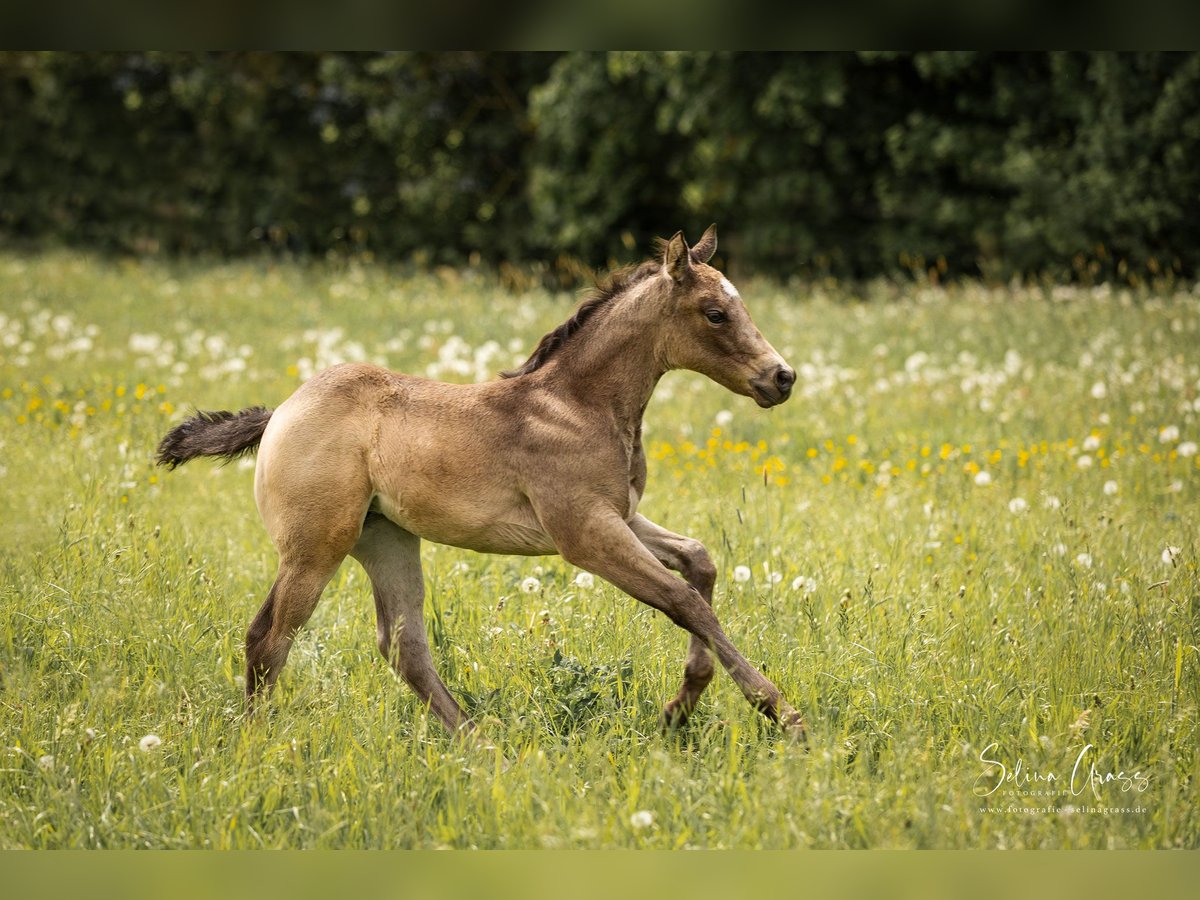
column 706, row 246
column 675, row 258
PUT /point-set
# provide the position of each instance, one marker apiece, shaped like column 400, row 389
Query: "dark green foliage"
column 179, row 152
column 576, row 691
column 1068, row 164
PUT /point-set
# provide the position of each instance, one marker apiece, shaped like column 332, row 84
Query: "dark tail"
column 224, row 434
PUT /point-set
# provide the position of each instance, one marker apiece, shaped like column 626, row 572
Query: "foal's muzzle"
column 774, row 385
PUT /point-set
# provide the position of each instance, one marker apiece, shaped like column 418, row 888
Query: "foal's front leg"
column 690, row 559
column 600, row 541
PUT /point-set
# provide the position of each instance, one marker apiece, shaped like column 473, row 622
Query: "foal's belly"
column 518, row 534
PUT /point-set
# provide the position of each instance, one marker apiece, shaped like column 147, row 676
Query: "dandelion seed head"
column 585, row 580
column 530, row 585
column 1111, row 487
column 150, row 742
column 983, row 479
column 1017, row 505
column 741, row 574
column 641, row 819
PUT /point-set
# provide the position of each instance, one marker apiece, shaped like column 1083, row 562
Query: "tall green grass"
column 914, row 548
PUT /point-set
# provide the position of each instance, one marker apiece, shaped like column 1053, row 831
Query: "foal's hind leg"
column 689, row 558
column 392, row 558
column 289, row 604
column 309, row 553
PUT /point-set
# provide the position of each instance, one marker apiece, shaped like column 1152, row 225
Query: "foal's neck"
column 615, row 362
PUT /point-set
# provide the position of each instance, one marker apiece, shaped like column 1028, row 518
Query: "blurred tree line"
column 1072, row 164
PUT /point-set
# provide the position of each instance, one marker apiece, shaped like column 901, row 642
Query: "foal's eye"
column 715, row 316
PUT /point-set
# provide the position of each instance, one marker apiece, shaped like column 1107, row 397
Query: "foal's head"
column 707, row 329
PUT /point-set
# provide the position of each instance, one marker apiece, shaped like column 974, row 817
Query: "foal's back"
column 446, row 462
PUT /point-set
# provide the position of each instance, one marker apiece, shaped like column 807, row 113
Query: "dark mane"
column 612, row 285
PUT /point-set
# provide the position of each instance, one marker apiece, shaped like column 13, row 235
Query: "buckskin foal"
column 366, row 462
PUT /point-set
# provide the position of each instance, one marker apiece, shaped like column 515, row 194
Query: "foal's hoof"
column 793, row 726
column 673, row 716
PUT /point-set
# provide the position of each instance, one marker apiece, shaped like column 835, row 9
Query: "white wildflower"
column 144, row 344
column 585, row 580
column 1170, row 554
column 1051, row 502
column 741, row 574
column 1099, row 390
column 530, row 585
column 1111, row 487
column 983, row 479
column 1084, row 462
column 46, row 763
column 150, row 742
column 723, row 418
column 1059, row 549
column 1187, row 448
column 1168, row 434
column 1084, row 560
column 916, row 362
column 804, row 583
column 1091, row 443
column 1017, row 505
column 641, row 819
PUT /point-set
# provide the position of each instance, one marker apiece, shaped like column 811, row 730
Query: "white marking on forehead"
column 729, row 288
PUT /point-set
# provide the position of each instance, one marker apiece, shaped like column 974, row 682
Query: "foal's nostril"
column 785, row 377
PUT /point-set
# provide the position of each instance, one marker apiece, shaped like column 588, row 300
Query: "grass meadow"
column 965, row 550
